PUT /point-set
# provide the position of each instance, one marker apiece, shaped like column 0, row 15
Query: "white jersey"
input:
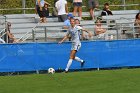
column 75, row 34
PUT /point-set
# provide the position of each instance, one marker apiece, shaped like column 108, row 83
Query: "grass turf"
column 104, row 81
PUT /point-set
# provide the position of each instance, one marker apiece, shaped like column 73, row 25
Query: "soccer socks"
column 78, row 59
column 69, row 64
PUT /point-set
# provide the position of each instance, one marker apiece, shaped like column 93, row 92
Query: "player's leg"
column 76, row 48
column 72, row 56
column 80, row 60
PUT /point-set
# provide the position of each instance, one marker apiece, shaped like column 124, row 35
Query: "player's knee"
column 72, row 57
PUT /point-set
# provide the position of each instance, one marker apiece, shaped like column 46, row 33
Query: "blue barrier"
column 41, row 56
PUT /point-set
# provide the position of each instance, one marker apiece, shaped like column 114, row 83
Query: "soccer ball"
column 51, row 71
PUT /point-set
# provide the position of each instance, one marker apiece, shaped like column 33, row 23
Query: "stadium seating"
column 23, row 25
column 115, row 12
column 54, row 29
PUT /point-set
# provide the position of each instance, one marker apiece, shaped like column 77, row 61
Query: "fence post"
column 117, row 31
column 5, row 24
column 133, row 28
column 45, row 34
column 124, row 3
column 33, row 35
column 24, row 6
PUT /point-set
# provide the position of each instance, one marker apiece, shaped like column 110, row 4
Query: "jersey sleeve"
column 79, row 27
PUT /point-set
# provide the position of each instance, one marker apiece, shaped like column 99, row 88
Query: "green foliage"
column 9, row 4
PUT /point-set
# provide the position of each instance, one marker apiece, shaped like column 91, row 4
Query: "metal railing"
column 27, row 35
column 117, row 32
column 3, row 20
column 46, row 30
column 2, row 32
column 3, row 24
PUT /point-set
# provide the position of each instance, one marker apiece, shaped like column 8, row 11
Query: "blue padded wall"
column 41, row 56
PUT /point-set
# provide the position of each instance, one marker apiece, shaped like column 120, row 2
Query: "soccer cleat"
column 65, row 71
column 82, row 64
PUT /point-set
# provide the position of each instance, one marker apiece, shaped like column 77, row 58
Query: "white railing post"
column 24, row 6
column 124, row 5
column 33, row 35
column 45, row 34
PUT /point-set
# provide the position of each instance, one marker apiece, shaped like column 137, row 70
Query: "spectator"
column 54, row 11
column 137, row 22
column 77, row 6
column 99, row 30
column 92, row 5
column 67, row 22
column 11, row 38
column 46, row 9
column 40, row 10
column 61, row 6
column 106, row 10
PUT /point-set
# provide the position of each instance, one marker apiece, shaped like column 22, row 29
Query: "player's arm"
column 83, row 29
column 64, row 38
column 89, row 33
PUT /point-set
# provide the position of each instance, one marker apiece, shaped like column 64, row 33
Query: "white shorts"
column 76, row 46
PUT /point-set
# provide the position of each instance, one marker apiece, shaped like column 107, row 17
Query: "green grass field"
column 103, row 81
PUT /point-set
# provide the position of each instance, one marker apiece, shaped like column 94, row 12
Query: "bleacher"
column 119, row 16
column 27, row 28
column 123, row 21
column 21, row 23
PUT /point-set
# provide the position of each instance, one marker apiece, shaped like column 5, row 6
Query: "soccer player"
column 74, row 32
